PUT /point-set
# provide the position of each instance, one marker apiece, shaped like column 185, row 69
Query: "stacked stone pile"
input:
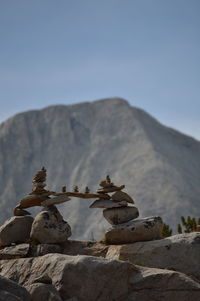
column 47, row 227
column 126, row 228
column 116, row 209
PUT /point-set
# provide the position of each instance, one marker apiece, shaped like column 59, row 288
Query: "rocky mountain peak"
column 82, row 143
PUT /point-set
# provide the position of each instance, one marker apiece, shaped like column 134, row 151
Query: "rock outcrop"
column 179, row 252
column 43, row 291
column 11, row 291
column 89, row 278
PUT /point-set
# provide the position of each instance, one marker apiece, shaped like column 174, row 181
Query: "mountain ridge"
column 79, row 144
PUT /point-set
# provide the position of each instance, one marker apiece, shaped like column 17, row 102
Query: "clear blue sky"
column 67, row 51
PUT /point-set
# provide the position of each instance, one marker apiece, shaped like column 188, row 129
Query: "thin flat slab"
column 107, row 204
column 111, row 189
column 56, row 200
column 88, row 195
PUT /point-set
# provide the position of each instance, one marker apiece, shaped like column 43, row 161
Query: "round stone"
column 49, row 227
column 121, row 215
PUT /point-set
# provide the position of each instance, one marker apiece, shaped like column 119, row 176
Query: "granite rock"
column 16, row 251
column 15, row 230
column 148, row 228
column 11, row 291
column 43, row 249
column 179, row 252
column 121, row 215
column 43, row 291
column 91, row 278
column 49, row 227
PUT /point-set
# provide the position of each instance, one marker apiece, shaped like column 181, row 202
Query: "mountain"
column 80, row 144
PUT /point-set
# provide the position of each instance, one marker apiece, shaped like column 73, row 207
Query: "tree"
column 179, row 229
column 166, row 232
column 189, row 224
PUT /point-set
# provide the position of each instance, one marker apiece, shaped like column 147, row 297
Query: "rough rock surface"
column 91, row 278
column 121, row 215
column 43, row 249
column 80, row 143
column 49, row 227
column 15, row 230
column 74, row 247
column 70, row 247
column 148, row 228
column 43, row 291
column 16, row 251
column 179, row 252
column 11, row 291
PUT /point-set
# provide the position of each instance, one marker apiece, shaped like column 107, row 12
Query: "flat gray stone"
column 107, row 204
column 148, row 228
column 15, row 230
column 121, row 215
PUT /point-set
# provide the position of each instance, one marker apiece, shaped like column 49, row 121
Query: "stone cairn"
column 126, row 228
column 48, row 227
column 116, row 209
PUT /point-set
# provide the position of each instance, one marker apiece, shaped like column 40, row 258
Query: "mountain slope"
column 80, row 144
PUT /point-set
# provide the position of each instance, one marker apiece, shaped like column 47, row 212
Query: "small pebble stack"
column 126, row 228
column 116, row 209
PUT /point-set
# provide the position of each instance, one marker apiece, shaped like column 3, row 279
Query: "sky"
column 70, row 51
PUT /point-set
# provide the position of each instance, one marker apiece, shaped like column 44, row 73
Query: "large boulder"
column 179, row 252
column 91, row 278
column 15, row 230
column 49, row 227
column 148, row 228
column 11, row 291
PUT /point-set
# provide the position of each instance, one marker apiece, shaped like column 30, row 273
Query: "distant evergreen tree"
column 166, row 232
column 189, row 224
column 179, row 229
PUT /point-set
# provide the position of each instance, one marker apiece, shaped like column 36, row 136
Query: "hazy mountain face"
column 81, row 144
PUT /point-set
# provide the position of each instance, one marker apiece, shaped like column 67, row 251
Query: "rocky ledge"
column 162, row 269
column 63, row 277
